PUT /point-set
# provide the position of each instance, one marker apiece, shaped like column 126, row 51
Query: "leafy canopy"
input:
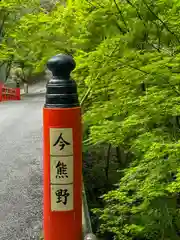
column 128, row 56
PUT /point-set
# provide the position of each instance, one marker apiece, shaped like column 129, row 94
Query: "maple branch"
column 164, row 24
column 120, row 12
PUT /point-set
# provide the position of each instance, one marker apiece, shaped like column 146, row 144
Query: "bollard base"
column 90, row 236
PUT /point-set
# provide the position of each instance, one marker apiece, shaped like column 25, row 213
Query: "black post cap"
column 61, row 89
column 61, row 65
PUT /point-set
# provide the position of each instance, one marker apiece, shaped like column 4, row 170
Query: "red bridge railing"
column 9, row 94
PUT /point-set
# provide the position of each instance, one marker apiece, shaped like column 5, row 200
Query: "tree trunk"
column 107, row 162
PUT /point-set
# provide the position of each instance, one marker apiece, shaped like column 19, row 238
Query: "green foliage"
column 127, row 55
column 11, row 11
column 133, row 74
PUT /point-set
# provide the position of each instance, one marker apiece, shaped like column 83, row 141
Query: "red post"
column 18, row 95
column 62, row 154
column 1, row 86
column 7, row 93
column 11, row 94
column 4, row 93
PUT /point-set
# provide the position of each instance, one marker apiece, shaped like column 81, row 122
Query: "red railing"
column 8, row 94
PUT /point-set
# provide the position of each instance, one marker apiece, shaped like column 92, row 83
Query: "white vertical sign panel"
column 61, row 141
column 62, row 197
column 61, row 169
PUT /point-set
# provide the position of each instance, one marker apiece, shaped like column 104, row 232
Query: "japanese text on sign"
column 62, row 197
column 61, row 166
column 61, row 142
column 61, row 170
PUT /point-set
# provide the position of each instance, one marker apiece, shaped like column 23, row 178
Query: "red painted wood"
column 8, row 94
column 63, row 225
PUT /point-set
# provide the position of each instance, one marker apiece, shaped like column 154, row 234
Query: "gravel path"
column 21, row 168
